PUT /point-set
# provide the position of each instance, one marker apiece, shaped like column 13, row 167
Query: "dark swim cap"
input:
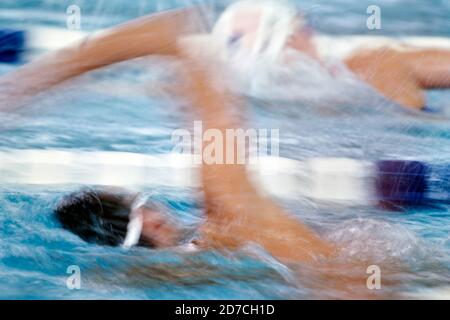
column 96, row 216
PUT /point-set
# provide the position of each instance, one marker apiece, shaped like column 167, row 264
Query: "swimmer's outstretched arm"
column 155, row 34
column 431, row 67
column 236, row 212
column 403, row 75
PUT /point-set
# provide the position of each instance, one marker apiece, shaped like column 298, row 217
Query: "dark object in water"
column 401, row 183
column 12, row 44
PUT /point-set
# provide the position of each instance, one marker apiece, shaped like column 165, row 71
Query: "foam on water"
column 378, row 241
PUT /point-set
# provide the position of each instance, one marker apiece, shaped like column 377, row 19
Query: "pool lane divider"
column 22, row 44
column 12, row 45
column 386, row 183
column 19, row 45
column 329, row 181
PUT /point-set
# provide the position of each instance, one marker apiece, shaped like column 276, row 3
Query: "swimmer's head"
column 116, row 219
column 260, row 29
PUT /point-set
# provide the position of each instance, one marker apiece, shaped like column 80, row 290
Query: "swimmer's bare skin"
column 155, row 34
column 236, row 212
column 402, row 76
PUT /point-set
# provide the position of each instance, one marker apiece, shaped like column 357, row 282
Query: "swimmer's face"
column 158, row 229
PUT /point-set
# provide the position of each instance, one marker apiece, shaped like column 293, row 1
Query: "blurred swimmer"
column 235, row 211
column 258, row 35
column 261, row 41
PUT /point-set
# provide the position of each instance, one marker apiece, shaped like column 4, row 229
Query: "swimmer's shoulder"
column 200, row 46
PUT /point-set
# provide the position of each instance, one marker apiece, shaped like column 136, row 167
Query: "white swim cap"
column 256, row 28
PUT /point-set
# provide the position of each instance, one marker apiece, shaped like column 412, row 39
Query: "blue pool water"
column 413, row 17
column 35, row 252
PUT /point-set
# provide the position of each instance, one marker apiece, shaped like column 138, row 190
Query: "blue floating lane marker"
column 12, row 45
column 21, row 45
column 400, row 183
column 438, row 183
